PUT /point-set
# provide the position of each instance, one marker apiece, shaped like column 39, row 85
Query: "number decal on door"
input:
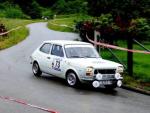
column 56, row 65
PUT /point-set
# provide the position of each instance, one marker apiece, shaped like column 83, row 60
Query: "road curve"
column 17, row 81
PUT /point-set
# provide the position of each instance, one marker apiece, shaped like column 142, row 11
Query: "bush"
column 14, row 12
column 105, row 20
column 69, row 7
column 35, row 10
column 11, row 11
column 108, row 29
column 140, row 28
column 2, row 14
column 47, row 13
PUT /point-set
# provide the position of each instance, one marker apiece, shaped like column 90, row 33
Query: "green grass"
column 69, row 20
column 141, row 63
column 16, row 36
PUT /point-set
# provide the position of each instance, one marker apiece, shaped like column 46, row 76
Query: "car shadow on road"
column 81, row 88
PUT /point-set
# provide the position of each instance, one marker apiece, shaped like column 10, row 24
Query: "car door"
column 45, row 57
column 57, row 57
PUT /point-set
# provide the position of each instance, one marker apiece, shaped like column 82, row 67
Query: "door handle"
column 48, row 57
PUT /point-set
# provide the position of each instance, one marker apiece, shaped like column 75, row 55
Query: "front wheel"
column 36, row 69
column 72, row 79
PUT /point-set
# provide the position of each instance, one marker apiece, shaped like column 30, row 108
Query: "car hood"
column 95, row 63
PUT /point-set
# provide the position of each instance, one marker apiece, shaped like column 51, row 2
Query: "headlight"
column 117, row 76
column 99, row 76
column 96, row 84
column 119, row 69
column 89, row 71
column 119, row 83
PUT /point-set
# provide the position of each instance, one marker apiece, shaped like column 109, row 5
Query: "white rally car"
column 76, row 62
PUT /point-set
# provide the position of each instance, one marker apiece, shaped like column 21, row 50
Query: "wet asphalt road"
column 17, row 81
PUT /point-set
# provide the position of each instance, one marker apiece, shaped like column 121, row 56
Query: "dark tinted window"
column 57, row 50
column 45, row 48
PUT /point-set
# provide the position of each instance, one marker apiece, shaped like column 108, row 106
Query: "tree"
column 140, row 28
column 46, row 3
column 70, row 6
column 59, row 6
column 30, row 7
column 123, row 9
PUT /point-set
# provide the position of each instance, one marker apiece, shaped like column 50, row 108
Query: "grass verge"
column 15, row 36
column 141, row 65
column 61, row 23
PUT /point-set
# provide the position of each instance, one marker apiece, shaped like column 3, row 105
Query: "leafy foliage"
column 70, row 6
column 29, row 7
column 129, row 17
column 140, row 28
column 11, row 11
column 34, row 8
column 46, row 3
column 126, row 9
column 47, row 13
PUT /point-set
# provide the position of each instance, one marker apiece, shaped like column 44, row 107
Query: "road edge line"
column 138, row 90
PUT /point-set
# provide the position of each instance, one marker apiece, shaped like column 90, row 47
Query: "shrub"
column 35, row 10
column 14, row 12
column 140, row 28
column 70, row 6
column 11, row 11
column 47, row 13
column 108, row 29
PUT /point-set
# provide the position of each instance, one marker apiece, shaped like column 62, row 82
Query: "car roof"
column 66, row 42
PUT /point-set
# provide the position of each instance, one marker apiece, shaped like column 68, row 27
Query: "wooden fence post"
column 130, row 57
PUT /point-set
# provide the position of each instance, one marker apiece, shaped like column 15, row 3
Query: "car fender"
column 75, row 70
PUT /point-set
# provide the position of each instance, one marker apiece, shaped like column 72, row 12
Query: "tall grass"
column 16, row 36
column 69, row 20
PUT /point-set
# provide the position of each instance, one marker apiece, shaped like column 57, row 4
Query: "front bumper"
column 103, row 82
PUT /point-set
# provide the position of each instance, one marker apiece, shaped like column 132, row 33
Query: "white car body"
column 92, row 70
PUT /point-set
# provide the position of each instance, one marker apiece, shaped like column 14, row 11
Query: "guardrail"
column 116, row 47
column 1, row 34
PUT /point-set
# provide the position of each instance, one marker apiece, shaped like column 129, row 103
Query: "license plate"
column 105, row 82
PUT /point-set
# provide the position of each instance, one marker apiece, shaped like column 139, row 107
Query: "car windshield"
column 76, row 51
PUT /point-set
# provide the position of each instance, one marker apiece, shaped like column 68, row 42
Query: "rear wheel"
column 36, row 69
column 71, row 79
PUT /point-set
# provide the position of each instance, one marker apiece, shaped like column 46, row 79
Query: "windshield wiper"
column 90, row 57
column 74, row 56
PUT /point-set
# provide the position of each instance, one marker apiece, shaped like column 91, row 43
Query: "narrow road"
column 17, row 81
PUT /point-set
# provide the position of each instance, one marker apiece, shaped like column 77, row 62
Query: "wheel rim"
column 35, row 68
column 71, row 79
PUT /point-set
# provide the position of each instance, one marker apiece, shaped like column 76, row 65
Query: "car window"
column 45, row 48
column 57, row 50
column 81, row 51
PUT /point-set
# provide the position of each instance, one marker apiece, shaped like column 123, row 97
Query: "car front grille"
column 105, row 71
column 108, row 76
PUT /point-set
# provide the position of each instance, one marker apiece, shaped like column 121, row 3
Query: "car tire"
column 36, row 69
column 72, row 79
